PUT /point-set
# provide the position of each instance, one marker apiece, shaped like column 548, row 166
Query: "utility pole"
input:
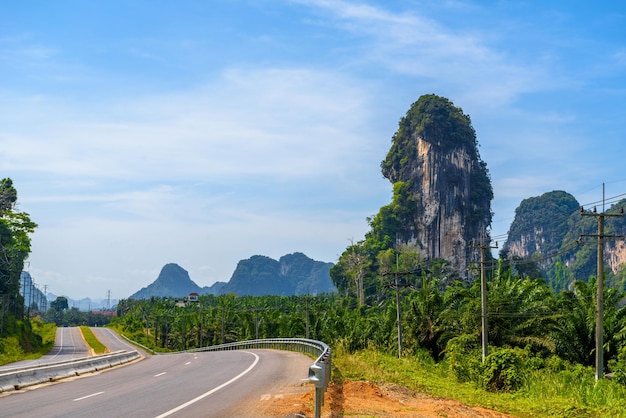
column 483, row 295
column 398, row 309
column 397, row 286
column 600, row 280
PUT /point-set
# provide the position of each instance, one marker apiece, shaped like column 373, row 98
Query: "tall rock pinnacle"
column 437, row 171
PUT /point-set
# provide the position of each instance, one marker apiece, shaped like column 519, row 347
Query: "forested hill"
column 550, row 238
column 292, row 274
column 173, row 281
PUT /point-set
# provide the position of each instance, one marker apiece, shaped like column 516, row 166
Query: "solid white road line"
column 204, row 395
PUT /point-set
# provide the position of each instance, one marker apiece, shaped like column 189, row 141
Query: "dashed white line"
column 160, row 374
column 88, row 396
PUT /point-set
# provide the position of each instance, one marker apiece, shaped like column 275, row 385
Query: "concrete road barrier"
column 15, row 379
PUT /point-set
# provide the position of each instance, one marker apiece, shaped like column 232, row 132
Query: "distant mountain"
column 173, row 281
column 86, row 304
column 292, row 274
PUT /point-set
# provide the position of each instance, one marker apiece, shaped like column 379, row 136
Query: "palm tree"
column 521, row 312
column 575, row 334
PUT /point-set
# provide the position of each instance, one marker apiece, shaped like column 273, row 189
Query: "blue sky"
column 140, row 133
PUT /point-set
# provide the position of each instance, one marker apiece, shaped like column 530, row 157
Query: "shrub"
column 503, row 371
column 463, row 358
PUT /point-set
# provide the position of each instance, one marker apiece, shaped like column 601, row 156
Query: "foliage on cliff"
column 434, row 119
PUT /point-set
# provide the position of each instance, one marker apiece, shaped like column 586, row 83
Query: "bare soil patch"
column 368, row 399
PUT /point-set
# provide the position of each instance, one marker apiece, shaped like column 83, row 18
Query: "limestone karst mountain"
column 442, row 185
column 173, row 281
column 441, row 204
column 550, row 232
column 292, row 274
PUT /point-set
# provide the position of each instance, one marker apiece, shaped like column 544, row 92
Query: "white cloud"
column 282, row 122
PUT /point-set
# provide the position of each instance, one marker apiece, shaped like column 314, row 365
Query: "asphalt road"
column 68, row 345
column 210, row 384
column 111, row 339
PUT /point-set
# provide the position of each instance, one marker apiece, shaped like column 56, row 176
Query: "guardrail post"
column 316, row 376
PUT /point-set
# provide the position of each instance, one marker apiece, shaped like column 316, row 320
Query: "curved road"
column 68, row 345
column 209, row 384
column 112, row 340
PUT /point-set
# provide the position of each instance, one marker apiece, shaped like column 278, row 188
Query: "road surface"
column 68, row 345
column 210, row 384
column 112, row 340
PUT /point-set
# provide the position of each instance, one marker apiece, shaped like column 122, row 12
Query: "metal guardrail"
column 319, row 371
column 21, row 377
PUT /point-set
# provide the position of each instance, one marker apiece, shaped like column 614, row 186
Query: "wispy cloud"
column 291, row 122
column 462, row 59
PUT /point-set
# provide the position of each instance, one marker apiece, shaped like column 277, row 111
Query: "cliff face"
column 615, row 254
column 435, row 153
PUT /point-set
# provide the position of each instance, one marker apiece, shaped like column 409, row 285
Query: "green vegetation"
column 27, row 340
column 60, row 314
column 545, row 387
column 92, row 341
column 436, row 120
column 18, row 337
column 548, row 228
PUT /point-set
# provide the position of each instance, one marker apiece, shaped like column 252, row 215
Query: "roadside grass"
column 21, row 346
column 92, row 341
column 572, row 392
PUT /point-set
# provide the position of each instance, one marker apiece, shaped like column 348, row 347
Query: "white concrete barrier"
column 15, row 379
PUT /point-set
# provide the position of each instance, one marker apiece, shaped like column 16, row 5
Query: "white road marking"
column 160, row 374
column 204, row 395
column 266, row 397
column 187, row 363
column 88, row 396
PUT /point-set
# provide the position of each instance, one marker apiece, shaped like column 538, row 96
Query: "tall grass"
column 569, row 392
column 92, row 341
